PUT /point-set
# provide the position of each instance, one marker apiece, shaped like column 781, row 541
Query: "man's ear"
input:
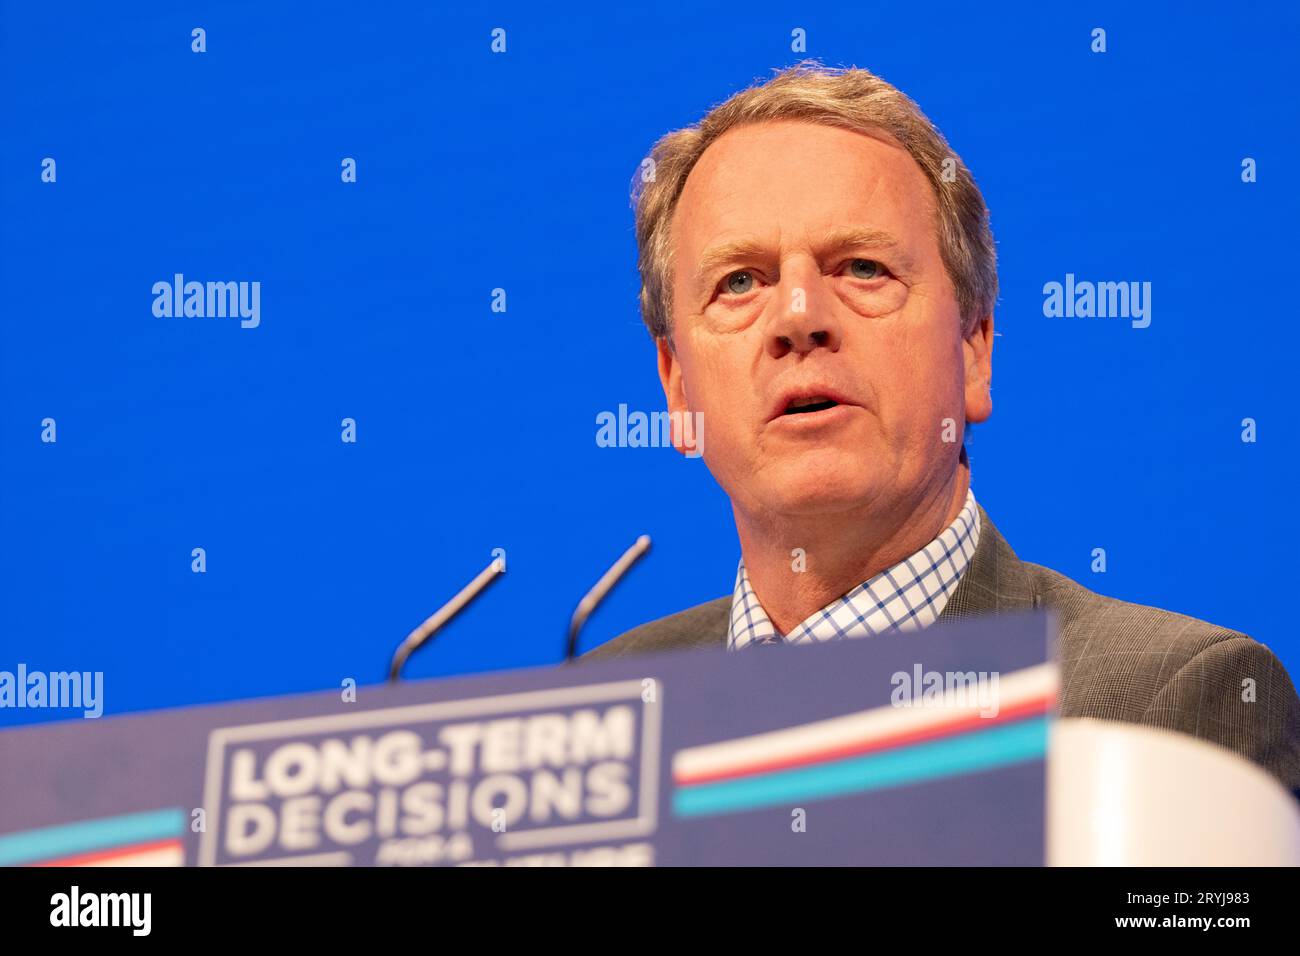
column 670, row 377
column 977, row 351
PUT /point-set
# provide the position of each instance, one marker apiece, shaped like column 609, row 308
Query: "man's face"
column 807, row 274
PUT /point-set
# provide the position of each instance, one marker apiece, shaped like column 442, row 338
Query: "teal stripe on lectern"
column 67, row 839
column 981, row 750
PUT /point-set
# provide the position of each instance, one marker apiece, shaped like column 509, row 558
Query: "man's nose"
column 804, row 319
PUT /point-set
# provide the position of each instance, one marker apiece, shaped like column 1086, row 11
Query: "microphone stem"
column 438, row 618
column 606, row 584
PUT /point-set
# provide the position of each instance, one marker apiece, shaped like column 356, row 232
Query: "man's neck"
column 798, row 566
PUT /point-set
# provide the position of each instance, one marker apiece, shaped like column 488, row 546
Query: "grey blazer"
column 1119, row 661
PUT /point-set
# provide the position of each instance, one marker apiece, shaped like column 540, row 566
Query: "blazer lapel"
column 996, row 580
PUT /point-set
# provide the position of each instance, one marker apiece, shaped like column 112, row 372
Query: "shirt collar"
column 909, row 595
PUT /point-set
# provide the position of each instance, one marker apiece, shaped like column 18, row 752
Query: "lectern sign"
column 918, row 747
column 436, row 783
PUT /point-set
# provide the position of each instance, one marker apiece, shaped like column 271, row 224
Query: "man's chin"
column 810, row 495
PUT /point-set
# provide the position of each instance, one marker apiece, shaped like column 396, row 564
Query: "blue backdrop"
column 476, row 429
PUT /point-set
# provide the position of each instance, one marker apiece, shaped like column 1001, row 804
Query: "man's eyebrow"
column 741, row 250
column 735, row 250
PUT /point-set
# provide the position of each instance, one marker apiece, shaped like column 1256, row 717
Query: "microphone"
column 418, row 637
column 606, row 584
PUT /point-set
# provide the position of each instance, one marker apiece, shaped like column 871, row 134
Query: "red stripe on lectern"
column 98, row 856
column 958, row 724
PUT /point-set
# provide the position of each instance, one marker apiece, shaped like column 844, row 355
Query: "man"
column 819, row 275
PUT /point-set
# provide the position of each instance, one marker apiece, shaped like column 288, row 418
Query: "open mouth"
column 813, row 403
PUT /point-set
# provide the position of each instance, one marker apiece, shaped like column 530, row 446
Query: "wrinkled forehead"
column 787, row 182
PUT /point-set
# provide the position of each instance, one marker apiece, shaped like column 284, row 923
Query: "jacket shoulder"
column 704, row 625
column 1081, row 609
column 1145, row 665
column 1116, row 655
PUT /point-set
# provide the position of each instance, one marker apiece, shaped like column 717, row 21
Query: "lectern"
column 936, row 747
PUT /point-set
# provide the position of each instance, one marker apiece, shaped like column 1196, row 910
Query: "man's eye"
column 738, row 283
column 866, row 269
